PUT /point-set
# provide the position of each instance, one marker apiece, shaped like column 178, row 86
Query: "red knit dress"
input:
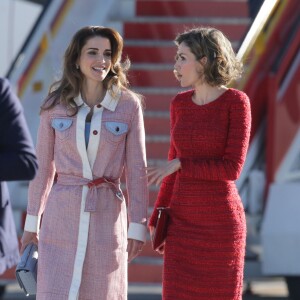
column 205, row 245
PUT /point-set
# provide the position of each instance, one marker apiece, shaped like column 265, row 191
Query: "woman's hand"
column 161, row 249
column 157, row 174
column 27, row 238
column 134, row 248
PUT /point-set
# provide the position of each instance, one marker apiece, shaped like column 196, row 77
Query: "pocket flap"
column 61, row 124
column 117, row 128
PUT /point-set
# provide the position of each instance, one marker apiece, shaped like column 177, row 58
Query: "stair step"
column 143, row 267
column 148, row 260
column 153, row 192
column 157, row 149
column 145, row 273
column 151, row 54
column 165, row 30
column 152, row 66
column 156, row 77
column 157, row 114
column 192, row 8
column 158, row 102
column 152, row 43
column 157, row 138
column 148, row 43
column 156, row 162
column 148, row 252
column 144, row 290
column 164, row 53
column 213, row 21
column 150, row 90
column 157, row 122
column 147, row 267
column 157, row 126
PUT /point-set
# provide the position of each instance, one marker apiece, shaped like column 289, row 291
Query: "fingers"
column 150, row 169
column 161, row 250
column 23, row 246
column 134, row 248
column 157, row 174
column 27, row 238
column 154, row 172
column 157, row 179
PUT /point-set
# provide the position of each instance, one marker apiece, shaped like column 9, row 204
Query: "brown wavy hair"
column 69, row 86
column 222, row 65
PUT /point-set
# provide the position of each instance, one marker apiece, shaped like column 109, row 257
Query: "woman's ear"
column 203, row 60
column 201, row 63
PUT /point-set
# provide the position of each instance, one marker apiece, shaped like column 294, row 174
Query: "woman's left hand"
column 157, row 174
column 134, row 248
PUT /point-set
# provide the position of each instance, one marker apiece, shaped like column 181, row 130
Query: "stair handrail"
column 255, row 41
column 258, row 24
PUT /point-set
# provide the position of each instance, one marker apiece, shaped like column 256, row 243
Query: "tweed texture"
column 82, row 255
column 205, row 245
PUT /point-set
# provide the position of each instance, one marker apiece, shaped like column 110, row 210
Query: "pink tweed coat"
column 83, row 240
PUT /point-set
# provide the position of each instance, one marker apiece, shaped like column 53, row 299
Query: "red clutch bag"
column 160, row 231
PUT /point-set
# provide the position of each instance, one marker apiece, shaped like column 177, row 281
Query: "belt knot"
column 93, row 185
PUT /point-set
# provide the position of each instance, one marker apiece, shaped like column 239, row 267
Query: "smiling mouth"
column 98, row 69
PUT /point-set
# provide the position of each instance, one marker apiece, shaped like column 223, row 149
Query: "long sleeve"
column 17, row 156
column 40, row 187
column 166, row 188
column 136, row 180
column 230, row 165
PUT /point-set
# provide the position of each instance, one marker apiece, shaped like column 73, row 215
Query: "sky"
column 16, row 20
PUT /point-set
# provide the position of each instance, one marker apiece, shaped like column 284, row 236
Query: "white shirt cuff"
column 32, row 223
column 137, row 231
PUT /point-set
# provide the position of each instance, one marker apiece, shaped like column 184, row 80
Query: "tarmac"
column 263, row 289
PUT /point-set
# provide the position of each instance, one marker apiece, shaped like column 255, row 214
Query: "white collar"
column 109, row 102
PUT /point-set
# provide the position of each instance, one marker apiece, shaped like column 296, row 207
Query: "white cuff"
column 137, row 231
column 32, row 223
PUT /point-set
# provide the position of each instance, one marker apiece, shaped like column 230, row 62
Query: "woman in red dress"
column 210, row 128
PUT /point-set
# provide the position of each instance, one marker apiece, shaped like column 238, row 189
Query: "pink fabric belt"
column 93, row 185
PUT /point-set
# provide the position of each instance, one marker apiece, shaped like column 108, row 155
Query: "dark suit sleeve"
column 17, row 155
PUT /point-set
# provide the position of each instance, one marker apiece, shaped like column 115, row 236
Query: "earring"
column 77, row 67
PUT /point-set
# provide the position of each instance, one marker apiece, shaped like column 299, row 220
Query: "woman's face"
column 187, row 69
column 95, row 59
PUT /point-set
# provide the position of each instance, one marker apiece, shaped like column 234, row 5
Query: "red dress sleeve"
column 230, row 165
column 166, row 188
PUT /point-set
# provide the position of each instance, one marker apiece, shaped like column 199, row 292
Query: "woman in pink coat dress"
column 91, row 129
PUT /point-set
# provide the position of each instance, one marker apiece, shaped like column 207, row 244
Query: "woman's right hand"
column 157, row 174
column 27, row 238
